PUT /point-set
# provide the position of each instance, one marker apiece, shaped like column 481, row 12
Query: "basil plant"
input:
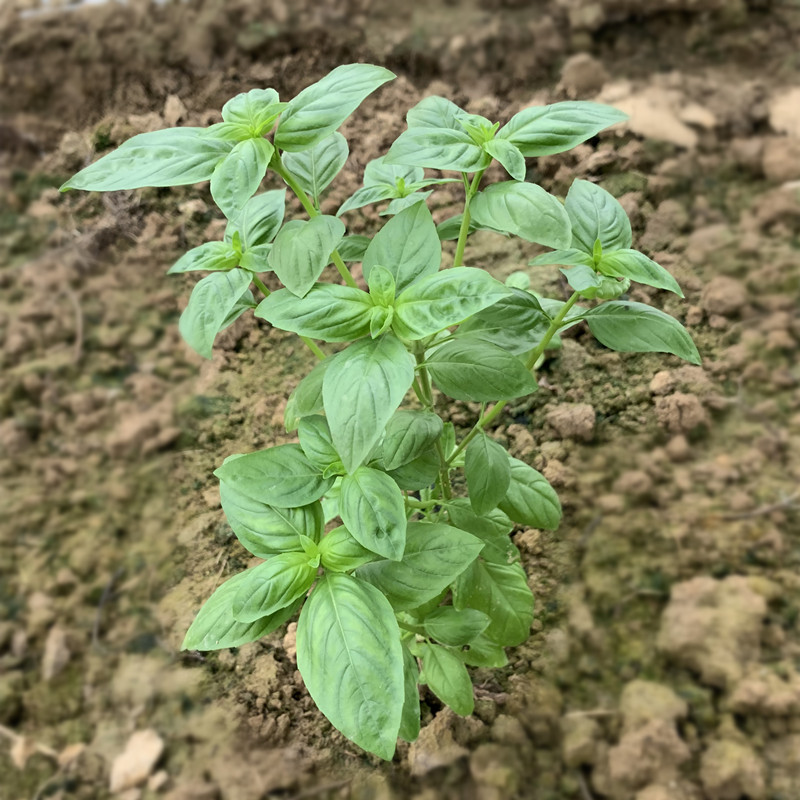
column 398, row 580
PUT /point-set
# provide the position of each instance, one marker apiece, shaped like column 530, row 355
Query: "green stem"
column 422, row 503
column 463, row 232
column 426, row 397
column 488, row 417
column 312, row 212
column 311, row 345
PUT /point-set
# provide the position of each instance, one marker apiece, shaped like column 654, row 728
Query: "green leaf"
column 525, row 210
column 237, row 177
column 256, row 259
column 382, row 286
column 638, row 267
column 488, row 526
column 446, row 298
column 211, row 302
column 380, row 320
column 373, row 510
column 316, row 167
column 531, row 500
column 449, row 229
column 255, row 109
column 469, row 369
column 209, row 256
column 365, row 196
column 447, row 677
column 352, row 248
column 516, row 322
column 596, row 215
column 436, row 112
column 638, row 328
column 438, row 148
column 417, row 474
column 584, row 280
column 306, row 398
column 452, row 627
column 322, row 107
column 316, row 441
column 435, row 555
column 402, row 203
column 351, row 660
column 409, row 722
column 378, row 172
column 279, row 476
column 266, row 530
column 567, row 258
column 488, row 473
column 214, row 627
column 483, row 652
column 302, row 250
column 509, row 156
column 544, row 130
column 171, row 157
column 273, row 585
column 260, row 219
column 341, row 552
column 361, row 390
column 409, row 434
column 407, row 246
column 328, row 311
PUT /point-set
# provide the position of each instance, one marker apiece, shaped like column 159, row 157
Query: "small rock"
column 713, row 627
column 784, row 112
column 730, row 770
column 135, row 764
column 643, row 701
column 582, row 75
column 662, row 383
column 498, row 766
column 573, row 421
column 697, row 115
column 290, row 642
column 158, row 780
column 579, row 738
column 435, row 746
column 174, row 111
column 764, row 693
column 724, row 296
column 56, row 653
column 780, row 159
column 681, row 413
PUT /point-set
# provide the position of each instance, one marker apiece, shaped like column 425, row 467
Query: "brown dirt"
column 664, row 656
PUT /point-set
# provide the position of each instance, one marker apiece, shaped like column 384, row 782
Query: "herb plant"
column 415, row 583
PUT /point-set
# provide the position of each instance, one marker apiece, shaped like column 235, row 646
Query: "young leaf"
column 545, row 130
column 171, row 157
column 382, row 287
column 407, row 246
column 409, row 434
column 208, row 256
column 267, row 530
column 341, row 552
column 490, row 526
column 352, row 248
column 567, row 258
column 417, row 474
column 638, row 267
column 328, row 311
column 211, row 302
column 303, row 249
column 438, row 148
column 452, row 627
column 469, row 369
column 361, row 389
column 273, row 585
column 378, row 172
column 306, row 399
column 488, row 473
column 409, row 722
column 483, row 652
column 583, row 280
column 399, row 204
column 525, row 210
column 436, row 112
column 316, row 441
column 516, row 322
column 237, row 177
column 435, row 555
column 365, row 196
column 316, row 167
column 215, row 627
column 322, row 107
column 509, row 156
column 256, row 259
column 372, row 509
column 259, row 220
column 596, row 215
column 449, row 229
column 254, row 109
column 446, row 298
column 531, row 500
column 351, row 660
column 638, row 328
column 278, row 476
column 447, row 677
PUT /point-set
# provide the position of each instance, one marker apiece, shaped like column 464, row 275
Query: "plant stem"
column 426, row 397
column 489, row 416
column 309, row 343
column 312, row 212
column 422, row 503
column 463, row 232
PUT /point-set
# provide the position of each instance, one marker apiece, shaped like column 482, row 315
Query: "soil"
column 663, row 661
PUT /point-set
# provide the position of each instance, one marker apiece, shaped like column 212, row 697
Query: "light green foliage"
column 421, row 580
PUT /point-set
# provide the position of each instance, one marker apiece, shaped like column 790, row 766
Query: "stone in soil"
column 730, row 770
column 135, row 764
